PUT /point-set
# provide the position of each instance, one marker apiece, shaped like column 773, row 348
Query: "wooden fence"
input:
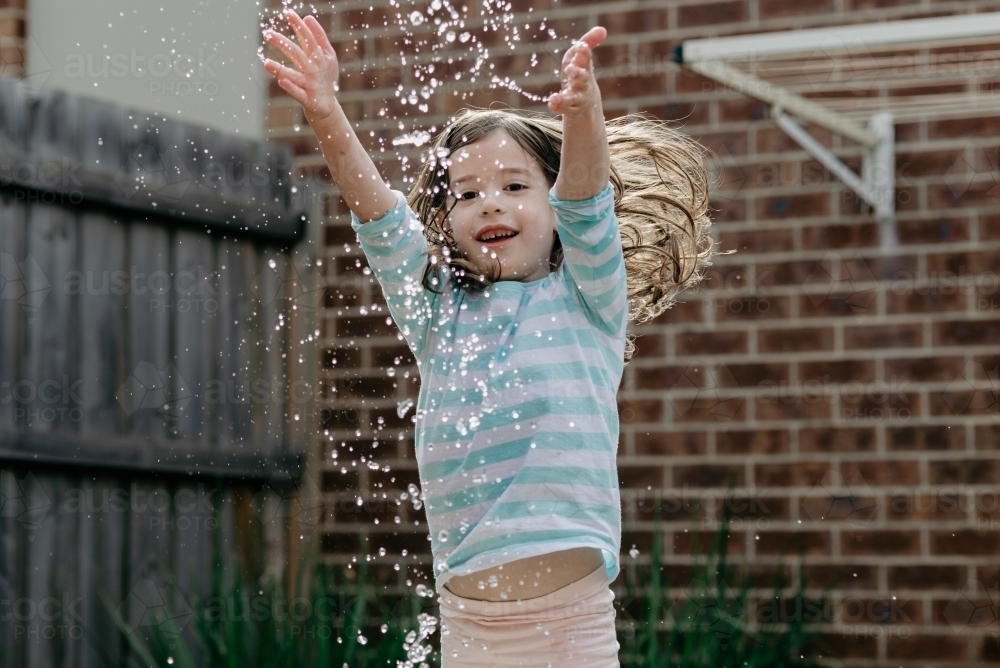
column 157, row 371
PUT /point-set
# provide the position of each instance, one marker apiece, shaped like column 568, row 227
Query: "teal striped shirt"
column 516, row 424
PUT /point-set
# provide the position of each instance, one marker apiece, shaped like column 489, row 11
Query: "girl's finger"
column 320, row 35
column 297, row 93
column 287, row 47
column 594, row 36
column 282, row 72
column 303, row 32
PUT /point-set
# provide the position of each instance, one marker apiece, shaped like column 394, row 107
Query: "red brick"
column 838, row 303
column 837, row 439
column 692, row 542
column 640, row 410
column 711, row 13
column 860, row 235
column 882, row 336
column 985, row 126
column 949, row 578
column 789, row 406
column 705, row 475
column 708, row 407
column 803, row 474
column 725, row 277
column 640, row 477
column 798, row 339
column 724, row 143
column 741, row 109
column 875, row 473
column 987, row 437
column 837, row 371
column 964, row 472
column 670, row 443
column 845, row 576
column 924, row 301
column 910, row 507
column 771, row 9
column 752, row 308
column 923, row 369
column 881, row 541
column 771, row 139
column 967, row 333
column 649, row 346
column 667, row 377
column 940, row 230
column 751, row 442
column 925, row 438
column 634, row 22
column 751, row 375
column 794, row 273
column 793, row 206
column 711, row 343
column 788, row 543
column 965, row 542
column 757, row 240
column 928, row 648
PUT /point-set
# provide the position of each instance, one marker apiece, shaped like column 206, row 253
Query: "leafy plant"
column 713, row 627
column 242, row 626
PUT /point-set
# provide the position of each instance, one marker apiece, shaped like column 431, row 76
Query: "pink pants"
column 573, row 624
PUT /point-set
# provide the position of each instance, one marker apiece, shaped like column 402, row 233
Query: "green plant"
column 713, row 626
column 239, row 626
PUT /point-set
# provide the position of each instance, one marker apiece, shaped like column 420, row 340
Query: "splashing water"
column 403, row 407
column 415, row 496
column 415, row 650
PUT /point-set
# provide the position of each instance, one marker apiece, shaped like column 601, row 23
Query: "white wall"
column 191, row 60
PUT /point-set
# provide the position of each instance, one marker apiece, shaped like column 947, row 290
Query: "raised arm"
column 584, row 167
column 313, row 85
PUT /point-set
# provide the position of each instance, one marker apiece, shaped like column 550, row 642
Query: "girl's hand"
column 314, row 83
column 579, row 88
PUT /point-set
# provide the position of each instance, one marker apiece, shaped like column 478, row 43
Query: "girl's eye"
column 516, row 186
column 468, row 194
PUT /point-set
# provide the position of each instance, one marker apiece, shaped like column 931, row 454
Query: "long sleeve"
column 593, row 258
column 395, row 247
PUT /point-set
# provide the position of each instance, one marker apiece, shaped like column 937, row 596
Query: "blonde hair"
column 660, row 194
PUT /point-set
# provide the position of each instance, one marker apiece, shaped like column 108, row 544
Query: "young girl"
column 511, row 268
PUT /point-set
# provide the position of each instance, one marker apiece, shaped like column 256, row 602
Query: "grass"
column 239, row 626
column 713, row 624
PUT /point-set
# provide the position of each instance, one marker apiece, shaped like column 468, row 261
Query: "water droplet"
column 416, row 18
column 634, row 552
column 443, row 535
column 404, row 406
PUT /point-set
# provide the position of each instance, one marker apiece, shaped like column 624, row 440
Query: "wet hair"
column 660, row 194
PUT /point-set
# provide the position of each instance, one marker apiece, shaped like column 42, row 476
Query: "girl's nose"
column 491, row 201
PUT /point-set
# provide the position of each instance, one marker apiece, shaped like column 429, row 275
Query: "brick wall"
column 848, row 391
column 12, row 38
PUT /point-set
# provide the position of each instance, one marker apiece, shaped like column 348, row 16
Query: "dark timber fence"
column 156, row 298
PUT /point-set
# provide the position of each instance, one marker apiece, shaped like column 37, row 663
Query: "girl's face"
column 501, row 208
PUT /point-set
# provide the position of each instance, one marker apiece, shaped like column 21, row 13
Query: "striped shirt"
column 516, row 424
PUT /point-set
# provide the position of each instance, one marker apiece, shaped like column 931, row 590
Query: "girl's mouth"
column 497, row 241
